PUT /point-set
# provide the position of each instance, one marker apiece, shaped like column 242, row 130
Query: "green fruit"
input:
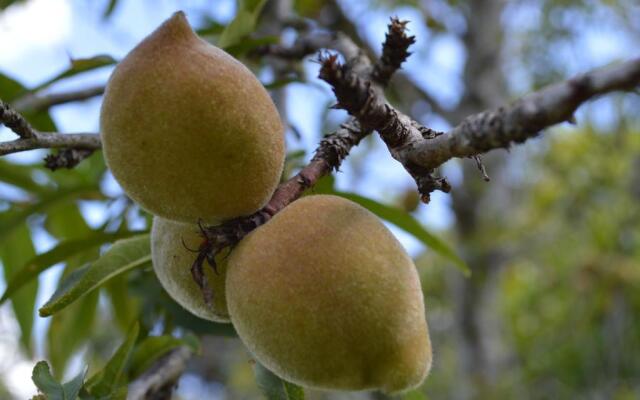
column 326, row 297
column 188, row 131
column 172, row 260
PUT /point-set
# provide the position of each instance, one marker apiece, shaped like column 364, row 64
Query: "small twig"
column 16, row 122
column 394, row 51
column 157, row 382
column 66, row 158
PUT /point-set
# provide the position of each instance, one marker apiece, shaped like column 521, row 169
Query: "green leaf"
column 58, row 254
column 107, row 381
column 123, row 256
column 16, row 249
column 275, row 388
column 51, row 388
column 78, row 66
column 243, row 24
column 152, row 348
column 406, row 222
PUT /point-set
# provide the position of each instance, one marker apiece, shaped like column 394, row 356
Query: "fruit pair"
column 322, row 294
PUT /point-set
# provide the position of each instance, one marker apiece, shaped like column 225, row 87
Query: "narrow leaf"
column 60, row 253
column 275, row 388
column 123, row 256
column 78, row 66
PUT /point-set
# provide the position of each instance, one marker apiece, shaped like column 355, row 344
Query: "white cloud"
column 31, row 25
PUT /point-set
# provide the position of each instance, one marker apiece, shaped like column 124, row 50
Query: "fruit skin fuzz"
column 326, row 297
column 173, row 247
column 188, row 131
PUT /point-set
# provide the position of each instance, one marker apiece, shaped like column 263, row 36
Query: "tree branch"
column 157, row 382
column 51, row 140
column 75, row 147
column 526, row 117
column 421, row 150
column 331, row 151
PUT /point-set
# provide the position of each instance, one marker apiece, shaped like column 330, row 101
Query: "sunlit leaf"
column 123, row 256
column 275, row 388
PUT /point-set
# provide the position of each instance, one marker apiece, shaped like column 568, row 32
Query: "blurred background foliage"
column 552, row 306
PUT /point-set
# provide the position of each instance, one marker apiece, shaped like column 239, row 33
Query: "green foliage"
column 275, row 388
column 243, row 24
column 123, row 256
column 52, row 389
column 60, row 253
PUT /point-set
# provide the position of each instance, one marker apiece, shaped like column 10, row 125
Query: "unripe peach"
column 172, row 259
column 188, row 131
column 326, row 297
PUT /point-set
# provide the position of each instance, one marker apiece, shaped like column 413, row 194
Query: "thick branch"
column 39, row 102
column 526, row 117
column 421, row 150
column 51, row 140
column 159, row 380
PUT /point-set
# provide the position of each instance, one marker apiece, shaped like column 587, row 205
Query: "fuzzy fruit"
column 172, row 260
column 326, row 297
column 188, row 131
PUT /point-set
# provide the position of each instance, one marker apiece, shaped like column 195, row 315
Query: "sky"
column 40, row 36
